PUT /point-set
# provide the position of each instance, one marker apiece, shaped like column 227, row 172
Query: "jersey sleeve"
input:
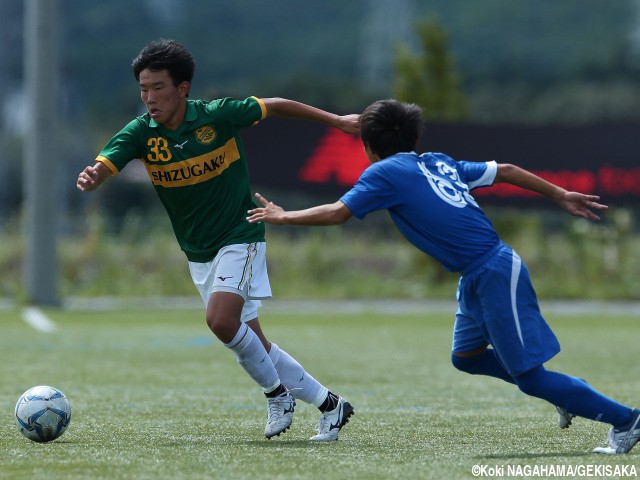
column 371, row 192
column 123, row 147
column 240, row 113
column 478, row 174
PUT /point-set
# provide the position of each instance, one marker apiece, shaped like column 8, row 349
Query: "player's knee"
column 532, row 383
column 222, row 327
column 464, row 364
column 528, row 388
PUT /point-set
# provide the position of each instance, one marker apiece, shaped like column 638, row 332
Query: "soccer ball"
column 42, row 413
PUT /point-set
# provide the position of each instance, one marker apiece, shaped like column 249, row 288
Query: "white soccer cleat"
column 564, row 417
column 622, row 441
column 331, row 422
column 279, row 414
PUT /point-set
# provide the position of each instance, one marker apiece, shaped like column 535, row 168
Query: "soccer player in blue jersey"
column 499, row 330
column 193, row 154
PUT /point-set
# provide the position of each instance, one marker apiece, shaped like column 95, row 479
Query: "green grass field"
column 155, row 397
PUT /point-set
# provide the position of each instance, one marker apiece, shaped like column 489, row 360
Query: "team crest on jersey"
column 206, row 134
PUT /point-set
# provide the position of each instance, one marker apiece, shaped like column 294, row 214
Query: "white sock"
column 255, row 360
column 296, row 379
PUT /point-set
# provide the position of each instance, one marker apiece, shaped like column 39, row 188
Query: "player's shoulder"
column 435, row 157
column 140, row 121
column 137, row 126
column 224, row 103
column 393, row 166
column 438, row 159
column 203, row 106
column 246, row 111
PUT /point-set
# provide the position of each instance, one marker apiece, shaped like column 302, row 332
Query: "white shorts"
column 239, row 269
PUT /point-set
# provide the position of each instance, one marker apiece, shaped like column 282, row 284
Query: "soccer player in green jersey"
column 194, row 157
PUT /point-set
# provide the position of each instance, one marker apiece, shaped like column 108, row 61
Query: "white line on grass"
column 38, row 320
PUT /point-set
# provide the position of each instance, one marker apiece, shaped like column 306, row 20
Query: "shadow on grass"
column 528, row 456
column 301, row 444
column 262, row 443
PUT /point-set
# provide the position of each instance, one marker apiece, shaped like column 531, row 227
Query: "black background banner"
column 599, row 159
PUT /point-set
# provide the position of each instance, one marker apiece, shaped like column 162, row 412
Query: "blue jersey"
column 429, row 199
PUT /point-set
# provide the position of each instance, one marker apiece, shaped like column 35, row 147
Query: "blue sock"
column 485, row 363
column 574, row 395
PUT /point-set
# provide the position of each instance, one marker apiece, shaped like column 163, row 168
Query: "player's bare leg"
column 335, row 410
column 223, row 317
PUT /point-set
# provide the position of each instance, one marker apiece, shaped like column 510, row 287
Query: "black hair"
column 167, row 55
column 388, row 127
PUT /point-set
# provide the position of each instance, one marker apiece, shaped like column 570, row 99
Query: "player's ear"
column 183, row 89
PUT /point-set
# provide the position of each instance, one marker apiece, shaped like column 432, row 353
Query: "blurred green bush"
column 568, row 259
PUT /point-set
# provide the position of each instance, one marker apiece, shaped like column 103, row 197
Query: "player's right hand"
column 269, row 212
column 349, row 123
column 88, row 179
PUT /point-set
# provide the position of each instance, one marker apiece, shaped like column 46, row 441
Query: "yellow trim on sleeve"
column 114, row 170
column 263, row 107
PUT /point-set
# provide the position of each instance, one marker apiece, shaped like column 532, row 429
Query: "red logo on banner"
column 338, row 157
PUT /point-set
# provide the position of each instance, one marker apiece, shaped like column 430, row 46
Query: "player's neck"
column 177, row 118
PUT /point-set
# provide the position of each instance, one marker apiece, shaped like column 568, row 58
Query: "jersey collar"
column 189, row 116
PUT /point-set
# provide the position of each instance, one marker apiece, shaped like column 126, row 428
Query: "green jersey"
column 199, row 171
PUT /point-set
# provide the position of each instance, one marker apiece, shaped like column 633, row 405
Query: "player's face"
column 164, row 101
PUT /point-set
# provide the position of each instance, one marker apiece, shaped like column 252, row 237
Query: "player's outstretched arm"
column 329, row 214
column 576, row 203
column 92, row 177
column 289, row 108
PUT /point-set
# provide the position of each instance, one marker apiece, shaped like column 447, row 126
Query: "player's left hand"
column 349, row 124
column 269, row 212
column 581, row 205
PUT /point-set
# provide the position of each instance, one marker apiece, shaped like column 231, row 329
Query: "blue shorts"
column 497, row 306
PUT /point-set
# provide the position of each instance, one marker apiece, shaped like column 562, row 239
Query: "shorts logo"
column 206, row 134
